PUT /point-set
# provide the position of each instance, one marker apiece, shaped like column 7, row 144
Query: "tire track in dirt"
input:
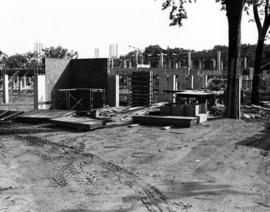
column 150, row 196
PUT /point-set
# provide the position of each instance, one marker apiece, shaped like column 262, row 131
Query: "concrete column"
column 245, row 62
column 161, row 61
column 191, row 85
column 125, row 64
column 192, row 82
column 39, row 92
column 172, row 86
column 219, row 60
column 130, row 64
column 221, row 66
column 20, row 84
column 5, row 89
column 24, row 82
column 137, row 58
column 204, row 81
column 112, row 92
column 189, row 62
column 214, row 64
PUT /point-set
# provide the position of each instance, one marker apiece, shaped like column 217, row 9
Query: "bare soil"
column 221, row 165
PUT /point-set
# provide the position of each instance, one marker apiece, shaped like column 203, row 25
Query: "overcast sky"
column 83, row 25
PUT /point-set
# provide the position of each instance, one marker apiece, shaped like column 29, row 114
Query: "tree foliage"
column 16, row 61
column 59, row 52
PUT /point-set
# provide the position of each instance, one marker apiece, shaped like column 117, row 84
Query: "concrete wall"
column 89, row 73
column 79, row 73
column 57, row 75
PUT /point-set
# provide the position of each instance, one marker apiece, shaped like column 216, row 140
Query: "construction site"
column 90, row 135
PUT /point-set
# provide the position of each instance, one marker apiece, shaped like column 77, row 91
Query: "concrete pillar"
column 112, row 92
column 125, row 64
column 24, row 82
column 204, row 81
column 219, row 60
column 189, row 62
column 245, row 62
column 20, row 84
column 221, row 66
column 39, row 92
column 5, row 89
column 191, row 81
column 130, row 64
column 172, row 84
column 137, row 58
column 161, row 60
column 214, row 64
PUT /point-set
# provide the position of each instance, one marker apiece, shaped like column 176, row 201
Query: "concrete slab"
column 179, row 121
column 78, row 123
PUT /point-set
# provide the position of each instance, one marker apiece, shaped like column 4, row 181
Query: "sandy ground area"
column 221, row 165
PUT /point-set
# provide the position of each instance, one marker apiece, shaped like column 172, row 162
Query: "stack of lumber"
column 8, row 115
column 43, row 115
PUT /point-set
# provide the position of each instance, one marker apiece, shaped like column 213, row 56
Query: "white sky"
column 83, row 25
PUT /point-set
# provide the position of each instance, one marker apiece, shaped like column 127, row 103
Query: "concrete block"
column 177, row 110
column 202, row 118
column 5, row 89
column 191, row 110
column 165, row 110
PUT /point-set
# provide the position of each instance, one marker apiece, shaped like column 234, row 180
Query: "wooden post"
column 5, row 89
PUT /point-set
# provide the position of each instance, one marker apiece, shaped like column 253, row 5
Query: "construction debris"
column 255, row 111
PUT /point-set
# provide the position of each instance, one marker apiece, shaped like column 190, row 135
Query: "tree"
column 261, row 12
column 59, row 52
column 234, row 10
column 3, row 58
column 16, row 61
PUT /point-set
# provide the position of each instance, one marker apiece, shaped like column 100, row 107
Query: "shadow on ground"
column 86, row 210
column 259, row 141
column 178, row 189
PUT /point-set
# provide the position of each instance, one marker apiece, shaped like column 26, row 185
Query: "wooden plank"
column 180, row 121
column 78, row 123
column 11, row 115
column 43, row 115
column 5, row 113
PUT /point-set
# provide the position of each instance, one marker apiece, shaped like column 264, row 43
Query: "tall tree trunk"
column 257, row 70
column 234, row 14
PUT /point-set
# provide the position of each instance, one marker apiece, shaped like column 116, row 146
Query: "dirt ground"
column 221, row 165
